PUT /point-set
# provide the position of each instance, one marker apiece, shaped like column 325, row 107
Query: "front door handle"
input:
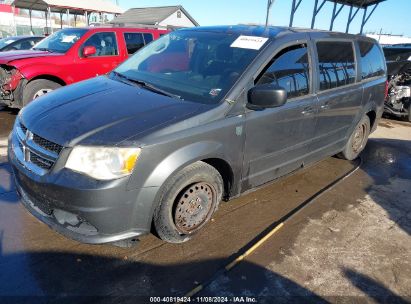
column 308, row 111
column 325, row 106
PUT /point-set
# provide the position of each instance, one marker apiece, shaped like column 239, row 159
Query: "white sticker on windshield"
column 249, row 42
column 215, row 92
column 69, row 39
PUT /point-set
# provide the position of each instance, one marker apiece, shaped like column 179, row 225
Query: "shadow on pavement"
column 7, row 117
column 57, row 276
column 7, row 189
column 375, row 290
column 388, row 162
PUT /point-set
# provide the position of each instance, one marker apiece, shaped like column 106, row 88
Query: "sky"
column 389, row 17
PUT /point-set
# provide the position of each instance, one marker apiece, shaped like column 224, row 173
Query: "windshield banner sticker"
column 215, row 92
column 249, row 42
column 69, row 39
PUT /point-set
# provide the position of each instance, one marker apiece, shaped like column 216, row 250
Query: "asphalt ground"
column 350, row 244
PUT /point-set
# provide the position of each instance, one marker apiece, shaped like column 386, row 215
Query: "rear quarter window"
column 135, row 41
column 372, row 61
column 336, row 64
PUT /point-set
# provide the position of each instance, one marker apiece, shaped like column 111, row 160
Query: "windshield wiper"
column 43, row 49
column 148, row 86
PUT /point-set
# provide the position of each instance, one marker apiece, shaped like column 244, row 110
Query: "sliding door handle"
column 308, row 111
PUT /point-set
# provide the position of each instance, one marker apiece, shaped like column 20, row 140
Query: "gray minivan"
column 198, row 116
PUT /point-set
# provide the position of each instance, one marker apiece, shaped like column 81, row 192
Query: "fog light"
column 64, row 217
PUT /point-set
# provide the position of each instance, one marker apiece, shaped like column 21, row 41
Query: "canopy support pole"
column 294, row 9
column 13, row 9
column 351, row 17
column 47, row 25
column 31, row 22
column 316, row 11
column 269, row 4
column 365, row 18
column 335, row 14
column 68, row 17
column 49, row 13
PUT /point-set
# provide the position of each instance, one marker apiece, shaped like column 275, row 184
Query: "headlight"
column 103, row 163
column 12, row 80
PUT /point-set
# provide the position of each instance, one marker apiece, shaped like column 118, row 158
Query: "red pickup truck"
column 66, row 57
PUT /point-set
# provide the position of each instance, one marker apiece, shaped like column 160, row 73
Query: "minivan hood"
column 7, row 57
column 102, row 111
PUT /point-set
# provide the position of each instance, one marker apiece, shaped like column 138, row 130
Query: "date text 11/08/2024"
column 199, row 299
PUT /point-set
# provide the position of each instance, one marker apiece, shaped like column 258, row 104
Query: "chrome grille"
column 40, row 161
column 23, row 128
column 42, row 142
column 34, row 152
column 46, row 144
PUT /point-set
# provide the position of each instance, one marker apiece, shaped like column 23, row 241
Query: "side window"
column 372, row 62
column 26, row 44
column 336, row 64
column 134, row 42
column 289, row 69
column 32, row 43
column 105, row 44
column 13, row 47
column 148, row 38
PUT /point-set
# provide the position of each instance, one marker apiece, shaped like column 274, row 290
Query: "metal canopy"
column 357, row 3
column 74, row 7
column 78, row 7
column 355, row 7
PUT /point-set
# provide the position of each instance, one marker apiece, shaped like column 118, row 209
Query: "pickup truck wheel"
column 187, row 202
column 358, row 140
column 38, row 88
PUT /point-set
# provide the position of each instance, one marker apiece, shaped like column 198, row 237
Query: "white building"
column 161, row 17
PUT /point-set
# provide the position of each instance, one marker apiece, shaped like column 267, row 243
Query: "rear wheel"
column 358, row 140
column 38, row 88
column 409, row 112
column 187, row 202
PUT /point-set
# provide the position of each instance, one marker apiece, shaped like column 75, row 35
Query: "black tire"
column 409, row 112
column 169, row 221
column 34, row 87
column 358, row 140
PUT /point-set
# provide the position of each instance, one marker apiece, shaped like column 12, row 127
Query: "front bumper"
column 83, row 209
column 14, row 98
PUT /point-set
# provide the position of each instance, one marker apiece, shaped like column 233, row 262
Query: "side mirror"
column 266, row 96
column 89, row 51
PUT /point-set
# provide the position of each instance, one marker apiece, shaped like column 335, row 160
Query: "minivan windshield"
column 198, row 66
column 61, row 41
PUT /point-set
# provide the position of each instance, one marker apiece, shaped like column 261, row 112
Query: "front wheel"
column 187, row 202
column 358, row 140
column 38, row 88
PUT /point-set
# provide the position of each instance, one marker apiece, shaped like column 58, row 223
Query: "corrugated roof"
column 358, row 3
column 150, row 15
column 75, row 6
